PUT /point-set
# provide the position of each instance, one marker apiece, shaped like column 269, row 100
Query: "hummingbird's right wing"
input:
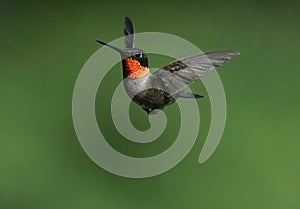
column 129, row 33
column 180, row 73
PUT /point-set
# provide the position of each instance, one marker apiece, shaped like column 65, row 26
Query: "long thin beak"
column 111, row 46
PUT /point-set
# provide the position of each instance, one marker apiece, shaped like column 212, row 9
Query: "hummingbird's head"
column 134, row 60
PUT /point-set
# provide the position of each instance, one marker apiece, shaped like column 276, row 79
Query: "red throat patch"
column 136, row 70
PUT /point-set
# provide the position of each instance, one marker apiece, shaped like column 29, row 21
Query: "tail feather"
column 187, row 94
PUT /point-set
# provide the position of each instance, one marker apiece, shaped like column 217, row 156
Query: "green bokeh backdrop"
column 44, row 44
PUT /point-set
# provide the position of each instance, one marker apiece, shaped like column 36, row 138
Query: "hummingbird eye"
column 138, row 55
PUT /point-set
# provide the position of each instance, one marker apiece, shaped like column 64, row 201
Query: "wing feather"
column 178, row 74
column 129, row 33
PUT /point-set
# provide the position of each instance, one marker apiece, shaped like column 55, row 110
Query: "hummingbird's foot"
column 151, row 111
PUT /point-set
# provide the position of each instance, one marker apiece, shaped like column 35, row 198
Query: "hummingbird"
column 154, row 91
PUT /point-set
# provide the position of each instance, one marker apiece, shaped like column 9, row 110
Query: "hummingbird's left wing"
column 180, row 73
column 129, row 33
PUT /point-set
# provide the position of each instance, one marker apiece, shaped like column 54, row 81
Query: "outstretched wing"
column 129, row 33
column 180, row 73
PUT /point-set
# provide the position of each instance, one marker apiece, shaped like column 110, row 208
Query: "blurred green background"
column 44, row 44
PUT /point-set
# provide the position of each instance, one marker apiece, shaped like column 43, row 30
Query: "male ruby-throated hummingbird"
column 153, row 91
